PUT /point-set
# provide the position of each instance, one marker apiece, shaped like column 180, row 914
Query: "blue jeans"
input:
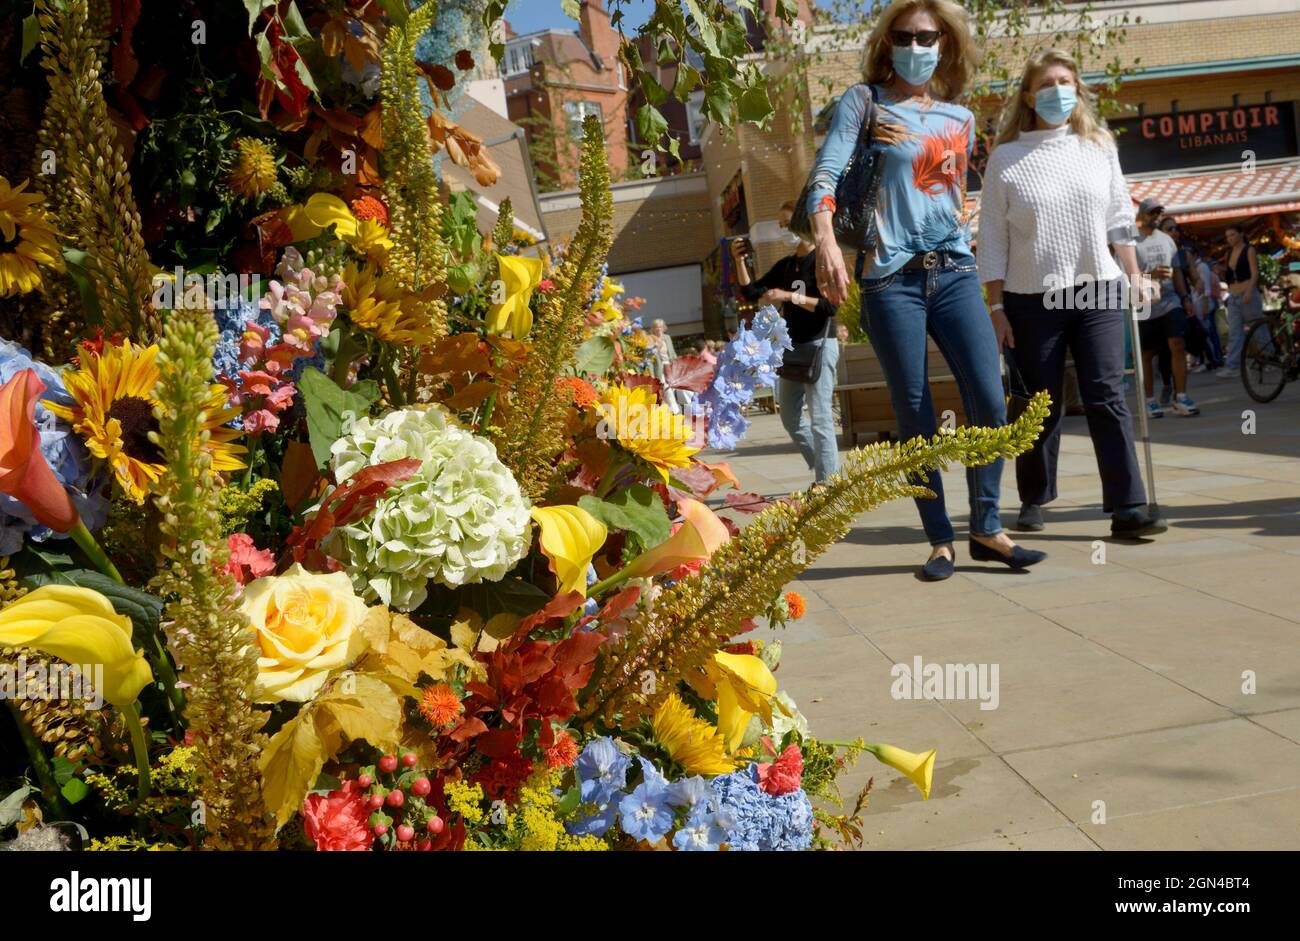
column 816, row 438
column 898, row 311
column 1240, row 316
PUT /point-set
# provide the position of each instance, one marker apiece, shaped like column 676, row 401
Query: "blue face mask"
column 1055, row 103
column 915, row 64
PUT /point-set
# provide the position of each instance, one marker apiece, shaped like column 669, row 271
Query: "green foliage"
column 330, row 409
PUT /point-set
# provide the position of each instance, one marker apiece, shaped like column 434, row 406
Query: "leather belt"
column 925, row 261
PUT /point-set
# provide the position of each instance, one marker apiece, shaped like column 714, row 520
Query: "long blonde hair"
column 957, row 63
column 1018, row 117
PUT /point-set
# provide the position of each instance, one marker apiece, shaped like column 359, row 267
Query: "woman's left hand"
column 1002, row 330
column 775, row 296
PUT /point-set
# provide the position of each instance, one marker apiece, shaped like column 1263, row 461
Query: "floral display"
column 399, row 545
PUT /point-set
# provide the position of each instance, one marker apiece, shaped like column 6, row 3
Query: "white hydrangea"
column 460, row 519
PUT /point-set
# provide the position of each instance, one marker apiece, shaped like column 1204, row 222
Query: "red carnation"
column 336, row 821
column 783, row 775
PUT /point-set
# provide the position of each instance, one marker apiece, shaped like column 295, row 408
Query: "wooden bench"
column 866, row 412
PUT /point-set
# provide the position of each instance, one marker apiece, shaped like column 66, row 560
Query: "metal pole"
column 1139, row 380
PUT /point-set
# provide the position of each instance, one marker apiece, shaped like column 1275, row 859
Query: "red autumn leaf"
column 614, row 607
column 688, row 372
column 464, row 60
column 346, row 504
column 498, row 743
column 126, row 14
column 470, row 727
column 746, row 502
column 561, row 606
column 699, row 479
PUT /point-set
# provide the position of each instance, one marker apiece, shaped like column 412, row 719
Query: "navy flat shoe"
column 939, row 568
column 1020, row 557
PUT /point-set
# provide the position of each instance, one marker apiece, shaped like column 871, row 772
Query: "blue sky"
column 527, row 16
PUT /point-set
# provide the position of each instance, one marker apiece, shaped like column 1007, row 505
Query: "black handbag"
column 1018, row 394
column 854, row 219
column 804, row 362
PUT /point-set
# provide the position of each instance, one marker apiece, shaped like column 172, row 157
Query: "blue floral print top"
column 926, row 147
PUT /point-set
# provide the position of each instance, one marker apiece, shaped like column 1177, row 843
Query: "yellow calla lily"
column 520, row 277
column 80, row 626
column 325, row 209
column 920, row 768
column 698, row 538
column 570, row 537
column 742, row 685
column 611, row 290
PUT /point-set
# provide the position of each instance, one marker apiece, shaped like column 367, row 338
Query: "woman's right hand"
column 1002, row 330
column 832, row 278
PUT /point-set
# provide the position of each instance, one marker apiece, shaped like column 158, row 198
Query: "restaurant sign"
column 1207, row 138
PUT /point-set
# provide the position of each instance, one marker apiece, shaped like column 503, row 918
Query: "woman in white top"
column 1054, row 203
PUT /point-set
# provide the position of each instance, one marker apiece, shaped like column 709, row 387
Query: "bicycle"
column 1271, row 357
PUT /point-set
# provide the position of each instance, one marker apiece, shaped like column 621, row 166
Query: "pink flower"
column 546, row 285
column 246, row 561
column 261, row 420
column 252, row 344
column 337, row 821
column 281, row 397
column 783, row 775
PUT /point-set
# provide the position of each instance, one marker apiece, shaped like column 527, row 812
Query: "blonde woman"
column 920, row 276
column 1054, row 204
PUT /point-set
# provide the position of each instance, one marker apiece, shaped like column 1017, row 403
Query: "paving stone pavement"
column 1121, row 684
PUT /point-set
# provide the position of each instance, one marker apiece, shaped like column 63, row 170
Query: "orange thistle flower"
column 440, row 705
column 370, row 207
column 583, row 392
column 798, row 607
column 563, row 751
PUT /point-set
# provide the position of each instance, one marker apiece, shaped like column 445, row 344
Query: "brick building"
column 553, row 79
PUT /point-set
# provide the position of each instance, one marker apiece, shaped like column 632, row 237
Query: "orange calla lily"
column 699, row 536
column 24, row 473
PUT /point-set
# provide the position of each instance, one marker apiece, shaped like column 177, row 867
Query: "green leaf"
column 754, row 105
column 11, row 808
column 655, row 93
column 571, row 8
column 63, row 770
column 329, row 408
column 569, row 802
column 508, row 596
column 254, row 7
column 637, row 509
column 595, row 356
column 294, row 25
column 31, row 36
column 688, row 78
column 707, row 30
column 650, row 124
column 398, row 12
column 142, row 608
column 75, row 790
column 84, row 279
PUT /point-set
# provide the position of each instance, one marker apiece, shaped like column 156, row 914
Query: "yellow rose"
column 307, row 625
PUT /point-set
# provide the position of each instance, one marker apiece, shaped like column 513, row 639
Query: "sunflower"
column 27, row 240
column 113, row 391
column 253, row 174
column 693, row 743
column 649, row 430
column 379, row 306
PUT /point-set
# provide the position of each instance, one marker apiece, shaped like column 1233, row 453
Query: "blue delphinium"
column 602, row 770
column 594, row 824
column 761, row 821
column 645, row 814
column 691, row 793
column 746, row 363
column 704, row 831
column 63, row 451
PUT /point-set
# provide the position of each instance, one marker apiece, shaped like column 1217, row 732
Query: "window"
column 519, row 58
column 577, row 111
column 695, row 116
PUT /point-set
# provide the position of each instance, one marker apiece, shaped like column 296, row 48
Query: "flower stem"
column 131, row 714
column 86, row 543
column 611, row 477
column 40, row 764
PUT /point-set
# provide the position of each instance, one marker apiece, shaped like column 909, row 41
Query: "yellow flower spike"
column 80, row 626
column 744, row 686
column 519, row 277
column 570, row 537
column 920, row 768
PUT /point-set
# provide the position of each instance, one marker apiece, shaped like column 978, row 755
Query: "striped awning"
column 1220, row 194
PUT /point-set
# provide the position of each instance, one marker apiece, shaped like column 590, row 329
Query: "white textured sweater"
column 1052, row 203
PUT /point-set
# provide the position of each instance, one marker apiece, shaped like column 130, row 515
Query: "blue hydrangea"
column 602, row 771
column 63, row 451
column 232, row 317
column 755, row 820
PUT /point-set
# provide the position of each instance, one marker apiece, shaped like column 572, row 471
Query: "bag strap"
column 873, row 107
column 1015, row 381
